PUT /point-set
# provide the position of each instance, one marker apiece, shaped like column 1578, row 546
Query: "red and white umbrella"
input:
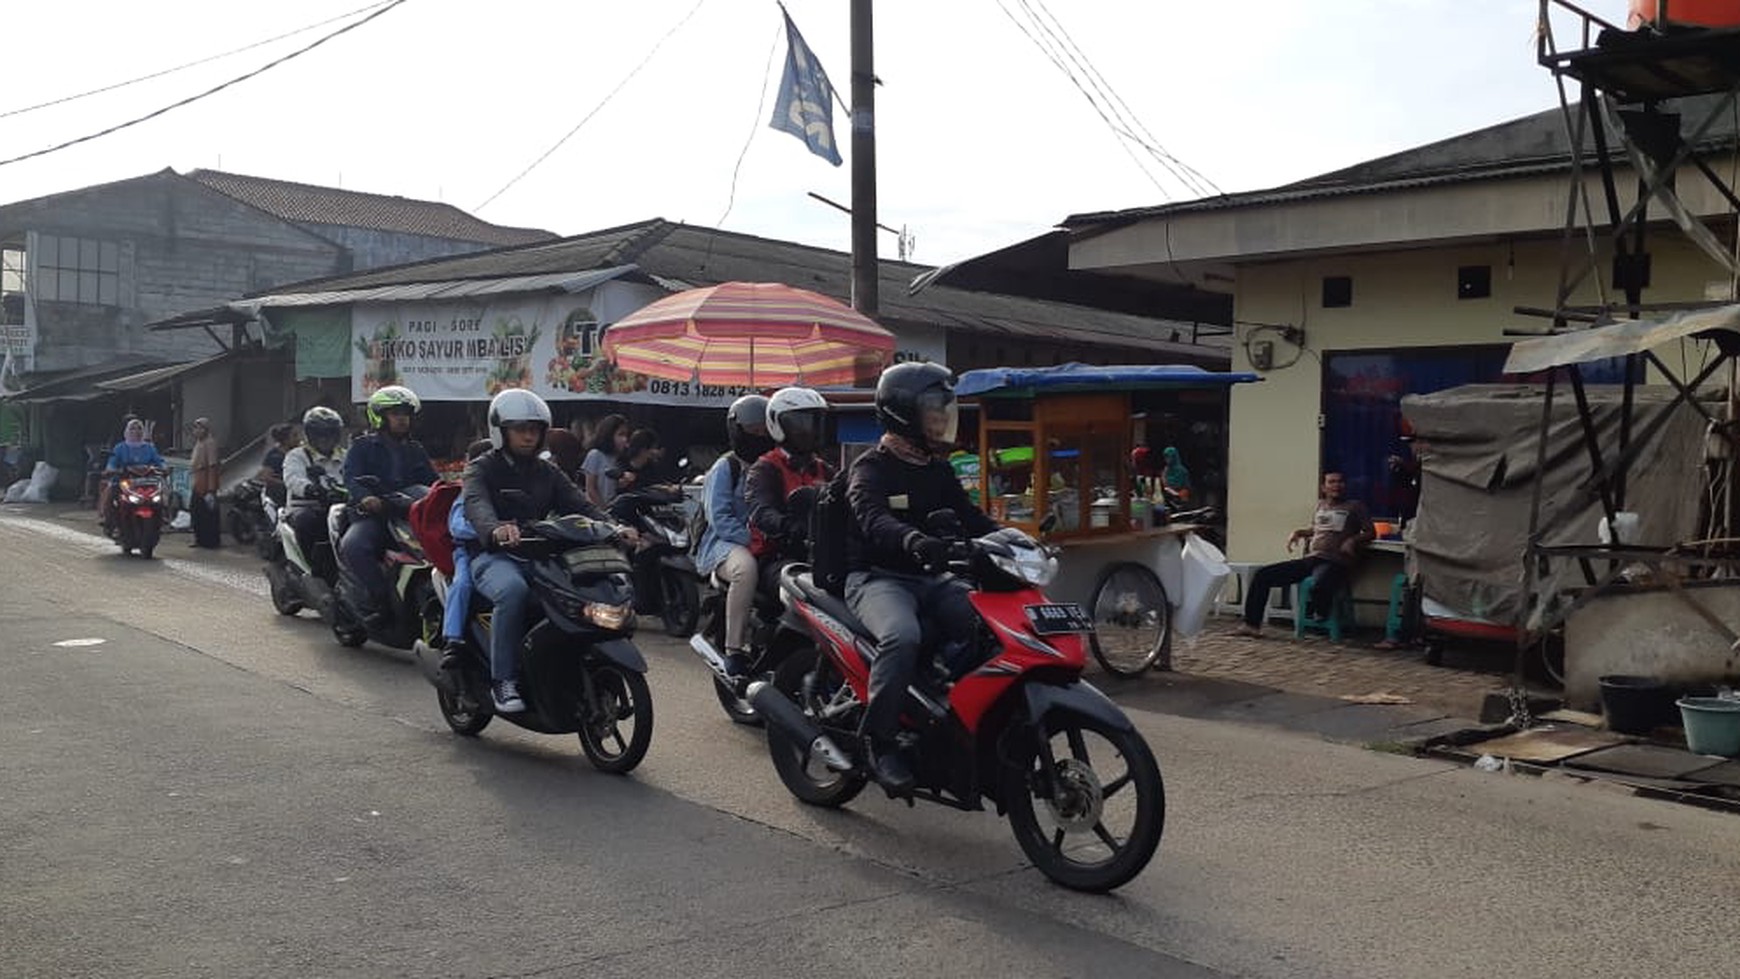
column 749, row 334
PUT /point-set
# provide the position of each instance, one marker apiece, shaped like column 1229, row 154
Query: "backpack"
column 428, row 519
column 698, row 519
column 830, row 524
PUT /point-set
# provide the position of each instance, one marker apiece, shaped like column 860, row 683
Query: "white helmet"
column 794, row 419
column 513, row 406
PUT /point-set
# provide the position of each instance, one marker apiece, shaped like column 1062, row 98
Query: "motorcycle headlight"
column 612, row 617
column 1031, row 565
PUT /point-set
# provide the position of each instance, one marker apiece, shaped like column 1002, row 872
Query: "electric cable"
column 208, row 92
column 191, row 64
column 760, row 106
column 595, row 109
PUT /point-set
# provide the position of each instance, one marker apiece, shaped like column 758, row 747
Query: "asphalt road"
column 214, row 790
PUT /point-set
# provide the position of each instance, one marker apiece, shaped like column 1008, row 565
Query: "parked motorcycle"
column 580, row 671
column 413, row 610
column 306, row 579
column 137, row 509
column 666, row 583
column 250, row 513
column 1011, row 722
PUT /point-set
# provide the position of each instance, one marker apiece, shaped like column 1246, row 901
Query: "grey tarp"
column 1477, row 446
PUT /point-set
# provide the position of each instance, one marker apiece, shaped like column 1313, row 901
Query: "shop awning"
column 1721, row 323
column 158, row 377
column 1067, row 378
column 243, row 310
column 81, row 384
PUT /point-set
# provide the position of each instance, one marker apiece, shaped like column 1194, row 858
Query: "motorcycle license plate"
column 1059, row 617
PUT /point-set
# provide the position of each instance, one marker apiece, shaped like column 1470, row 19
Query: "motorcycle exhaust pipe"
column 777, row 709
column 705, row 650
column 429, row 661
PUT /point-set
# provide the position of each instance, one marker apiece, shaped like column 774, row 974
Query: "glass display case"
column 1063, row 457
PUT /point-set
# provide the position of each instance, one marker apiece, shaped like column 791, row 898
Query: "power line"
column 760, row 106
column 595, row 109
column 210, row 91
column 191, row 64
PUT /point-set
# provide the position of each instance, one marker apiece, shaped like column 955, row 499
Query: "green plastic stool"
column 1397, row 618
column 1340, row 616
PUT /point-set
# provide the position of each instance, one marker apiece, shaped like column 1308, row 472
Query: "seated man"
column 1339, row 531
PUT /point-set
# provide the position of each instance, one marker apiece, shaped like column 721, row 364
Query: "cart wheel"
column 1132, row 620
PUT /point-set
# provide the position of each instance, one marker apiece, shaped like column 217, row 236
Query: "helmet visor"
column 938, row 416
column 802, row 430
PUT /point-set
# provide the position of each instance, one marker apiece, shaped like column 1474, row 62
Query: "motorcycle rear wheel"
column 737, row 708
column 1077, row 849
column 623, row 696
column 284, row 599
column 679, row 602
column 809, row 780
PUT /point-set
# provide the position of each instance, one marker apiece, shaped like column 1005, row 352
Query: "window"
column 11, row 285
column 1337, row 291
column 78, row 270
column 1474, row 282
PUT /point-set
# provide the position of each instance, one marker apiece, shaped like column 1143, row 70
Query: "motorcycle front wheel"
column 1087, row 804
column 621, row 699
column 465, row 718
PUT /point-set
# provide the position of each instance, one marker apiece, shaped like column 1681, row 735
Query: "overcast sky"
column 981, row 140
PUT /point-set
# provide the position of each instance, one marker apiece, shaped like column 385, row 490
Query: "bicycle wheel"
column 1132, row 619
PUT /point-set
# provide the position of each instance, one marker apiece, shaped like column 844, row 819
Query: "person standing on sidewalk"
column 1340, row 529
column 207, row 470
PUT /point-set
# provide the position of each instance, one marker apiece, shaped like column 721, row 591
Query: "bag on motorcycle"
column 830, row 522
column 428, row 518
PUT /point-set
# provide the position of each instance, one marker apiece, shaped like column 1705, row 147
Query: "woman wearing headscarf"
column 133, row 450
column 1174, row 478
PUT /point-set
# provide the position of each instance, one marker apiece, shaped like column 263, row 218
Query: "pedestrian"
column 1340, row 529
column 608, row 442
column 207, row 471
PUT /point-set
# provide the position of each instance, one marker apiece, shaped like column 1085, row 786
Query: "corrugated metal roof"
column 158, row 376
column 331, row 205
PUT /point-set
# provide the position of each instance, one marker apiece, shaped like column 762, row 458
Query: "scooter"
column 413, row 609
column 250, row 513
column 1009, row 720
column 580, row 671
column 137, row 510
column 666, row 583
column 306, row 580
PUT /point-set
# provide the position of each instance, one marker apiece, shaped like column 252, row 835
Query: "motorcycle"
column 1011, row 722
column 306, row 579
column 137, row 510
column 580, row 671
column 666, row 583
column 250, row 513
column 413, row 609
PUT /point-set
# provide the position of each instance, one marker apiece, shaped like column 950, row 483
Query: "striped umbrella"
column 749, row 334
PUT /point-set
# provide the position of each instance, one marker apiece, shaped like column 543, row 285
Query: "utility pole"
column 866, row 271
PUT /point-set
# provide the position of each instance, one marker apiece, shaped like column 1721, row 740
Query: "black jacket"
column 503, row 488
column 891, row 498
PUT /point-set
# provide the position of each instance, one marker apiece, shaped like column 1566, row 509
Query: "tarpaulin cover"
column 1088, row 377
column 1477, row 446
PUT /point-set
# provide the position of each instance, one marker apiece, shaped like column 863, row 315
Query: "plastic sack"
column 1205, row 571
column 15, row 492
column 41, row 481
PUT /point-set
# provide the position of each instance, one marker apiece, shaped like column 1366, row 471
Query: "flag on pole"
column 805, row 107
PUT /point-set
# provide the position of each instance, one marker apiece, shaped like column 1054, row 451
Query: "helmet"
column 746, row 427
column 917, row 400
column 516, row 406
column 390, row 397
column 795, row 417
column 322, row 427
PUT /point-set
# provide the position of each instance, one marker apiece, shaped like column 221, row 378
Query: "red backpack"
column 428, row 520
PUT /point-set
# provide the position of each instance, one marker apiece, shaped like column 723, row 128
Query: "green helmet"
column 389, row 397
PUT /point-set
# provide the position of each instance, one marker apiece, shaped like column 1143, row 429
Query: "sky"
column 981, row 140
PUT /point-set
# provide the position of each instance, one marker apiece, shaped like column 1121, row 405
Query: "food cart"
column 1054, row 446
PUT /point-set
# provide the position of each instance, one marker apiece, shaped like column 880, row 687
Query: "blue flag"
column 805, row 107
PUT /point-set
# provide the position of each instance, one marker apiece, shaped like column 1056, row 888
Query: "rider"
column 504, row 487
column 321, row 455
column 895, row 567
column 796, row 418
column 398, row 465
column 725, row 547
column 132, row 450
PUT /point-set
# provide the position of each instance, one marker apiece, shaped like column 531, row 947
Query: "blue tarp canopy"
column 1028, row 381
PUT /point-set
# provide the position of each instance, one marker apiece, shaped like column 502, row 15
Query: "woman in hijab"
column 132, row 450
column 1174, row 478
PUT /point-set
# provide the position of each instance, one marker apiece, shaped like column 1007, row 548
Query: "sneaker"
column 736, row 663
column 1246, row 629
column 506, row 694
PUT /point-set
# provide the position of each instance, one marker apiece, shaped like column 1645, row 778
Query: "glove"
column 931, row 554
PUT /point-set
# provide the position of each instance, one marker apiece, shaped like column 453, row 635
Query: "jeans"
column 892, row 606
column 458, row 596
column 1327, row 577
column 502, row 580
column 361, row 551
column 738, row 572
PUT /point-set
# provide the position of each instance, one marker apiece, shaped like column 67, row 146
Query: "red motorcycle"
column 1011, row 722
column 136, row 509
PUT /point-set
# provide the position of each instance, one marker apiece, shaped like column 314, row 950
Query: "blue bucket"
column 1712, row 725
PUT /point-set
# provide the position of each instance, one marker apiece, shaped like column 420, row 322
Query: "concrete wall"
column 1652, row 633
column 371, row 248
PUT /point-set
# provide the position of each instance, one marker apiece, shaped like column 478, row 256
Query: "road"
column 214, row 790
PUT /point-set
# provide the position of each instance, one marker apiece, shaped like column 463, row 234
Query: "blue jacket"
column 396, row 464
column 124, row 455
column 727, row 512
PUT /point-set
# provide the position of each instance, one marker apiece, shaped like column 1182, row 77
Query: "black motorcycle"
column 666, row 583
column 305, row 579
column 413, row 610
column 249, row 512
column 580, row 671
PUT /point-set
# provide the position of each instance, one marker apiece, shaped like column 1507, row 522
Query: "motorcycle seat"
column 797, row 578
